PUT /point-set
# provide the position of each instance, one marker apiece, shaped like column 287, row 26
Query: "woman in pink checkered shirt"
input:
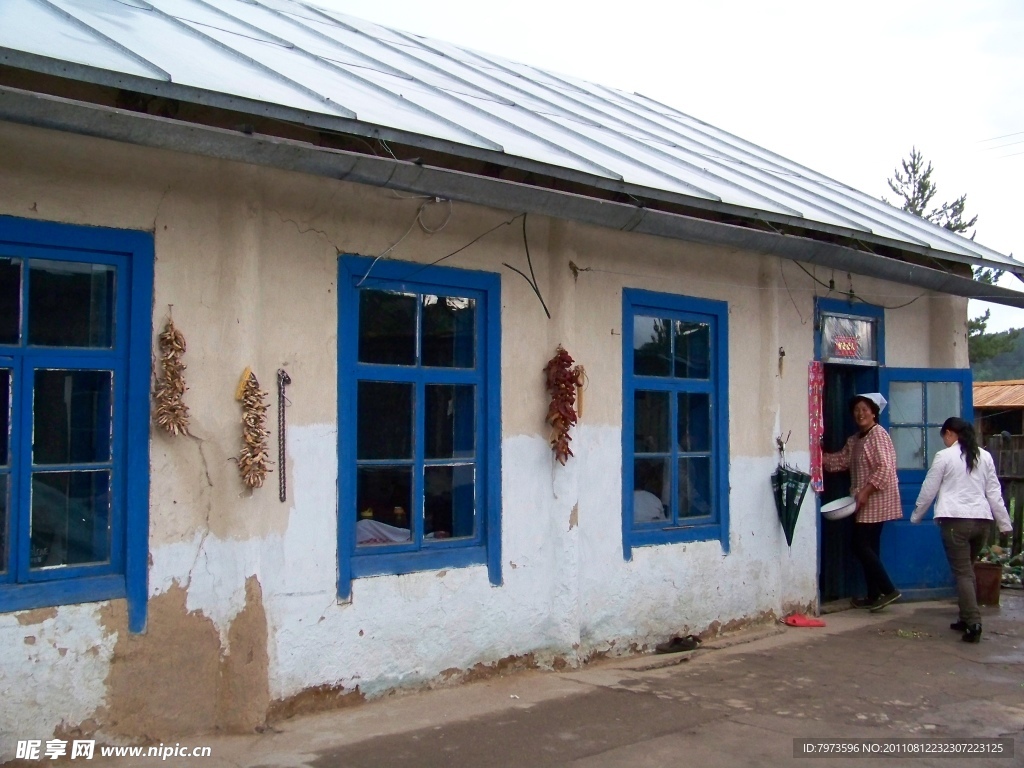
column 871, row 459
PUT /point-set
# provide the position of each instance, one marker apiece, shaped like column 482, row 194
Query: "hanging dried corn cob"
column 563, row 380
column 170, row 411
column 254, row 459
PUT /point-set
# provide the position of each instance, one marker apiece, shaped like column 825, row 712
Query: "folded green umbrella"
column 789, row 487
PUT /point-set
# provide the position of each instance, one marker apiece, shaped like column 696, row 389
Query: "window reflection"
column 384, row 428
column 70, row 304
column 70, row 522
column 449, row 430
column 5, row 417
column 449, row 506
column 909, row 445
column 652, row 346
column 651, row 422
column 906, row 402
column 72, row 418
column 387, row 327
column 694, row 433
column 10, row 301
column 695, row 487
column 943, row 400
column 449, row 331
column 5, row 491
column 847, row 339
column 693, row 350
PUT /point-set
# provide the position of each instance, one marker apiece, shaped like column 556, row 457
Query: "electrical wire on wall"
column 531, row 279
column 417, row 219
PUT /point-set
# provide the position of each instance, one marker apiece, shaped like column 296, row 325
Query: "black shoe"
column 885, row 600
column 861, row 602
column 959, row 625
column 678, row 644
column 973, row 634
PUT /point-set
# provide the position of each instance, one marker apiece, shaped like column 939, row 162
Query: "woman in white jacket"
column 963, row 476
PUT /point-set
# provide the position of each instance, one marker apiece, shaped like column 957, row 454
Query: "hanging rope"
column 283, row 380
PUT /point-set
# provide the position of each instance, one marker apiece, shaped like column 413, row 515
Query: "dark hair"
column 965, row 436
column 868, row 401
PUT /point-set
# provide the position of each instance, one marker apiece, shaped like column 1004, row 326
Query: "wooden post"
column 1017, row 517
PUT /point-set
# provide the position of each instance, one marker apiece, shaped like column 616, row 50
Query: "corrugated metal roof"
column 330, row 70
column 999, row 394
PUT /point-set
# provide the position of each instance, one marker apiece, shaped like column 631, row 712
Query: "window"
column 916, row 412
column 675, row 419
column 74, row 411
column 848, row 339
column 419, row 419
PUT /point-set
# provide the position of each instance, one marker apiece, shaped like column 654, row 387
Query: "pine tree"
column 916, row 188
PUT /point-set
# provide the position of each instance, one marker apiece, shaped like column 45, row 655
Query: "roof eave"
column 83, row 118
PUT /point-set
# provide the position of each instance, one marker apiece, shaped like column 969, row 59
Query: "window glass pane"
column 71, row 416
column 70, row 519
column 943, row 400
column 384, row 501
column 695, row 487
column 906, row 402
column 847, row 339
column 651, row 422
column 449, row 325
column 5, row 492
column 448, row 502
column 384, row 418
column 70, row 304
column 909, row 445
column 449, row 431
column 10, row 300
column 934, row 437
column 652, row 490
column 652, row 346
column 387, row 327
column 5, row 417
column 693, row 350
column 694, row 415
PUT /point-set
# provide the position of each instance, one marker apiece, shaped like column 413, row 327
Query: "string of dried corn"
column 170, row 411
column 254, row 460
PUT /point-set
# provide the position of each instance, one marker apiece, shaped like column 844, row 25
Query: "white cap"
column 876, row 398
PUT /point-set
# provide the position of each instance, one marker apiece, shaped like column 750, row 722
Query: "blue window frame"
column 675, row 436
column 75, row 332
column 419, row 404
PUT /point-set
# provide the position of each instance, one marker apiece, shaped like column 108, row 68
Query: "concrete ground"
column 737, row 700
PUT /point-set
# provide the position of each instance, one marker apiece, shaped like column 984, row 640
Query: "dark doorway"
column 839, row 577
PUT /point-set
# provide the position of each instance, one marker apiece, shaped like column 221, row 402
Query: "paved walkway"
column 736, row 701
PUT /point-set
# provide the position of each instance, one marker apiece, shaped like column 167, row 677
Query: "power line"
column 1004, row 136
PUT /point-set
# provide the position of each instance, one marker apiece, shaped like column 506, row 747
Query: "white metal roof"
column 323, row 68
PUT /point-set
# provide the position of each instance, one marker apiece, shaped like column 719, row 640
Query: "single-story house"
column 366, row 248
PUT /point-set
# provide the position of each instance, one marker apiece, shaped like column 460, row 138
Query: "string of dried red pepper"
column 563, row 381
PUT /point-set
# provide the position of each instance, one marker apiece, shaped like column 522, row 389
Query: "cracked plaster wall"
column 242, row 587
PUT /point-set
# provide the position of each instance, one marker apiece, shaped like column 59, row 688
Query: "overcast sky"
column 846, row 89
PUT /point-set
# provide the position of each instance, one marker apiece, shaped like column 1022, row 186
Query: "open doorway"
column 839, row 576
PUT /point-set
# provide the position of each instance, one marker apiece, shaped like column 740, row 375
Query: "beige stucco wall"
column 243, row 587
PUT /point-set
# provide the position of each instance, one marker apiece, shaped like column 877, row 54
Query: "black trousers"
column 867, row 538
